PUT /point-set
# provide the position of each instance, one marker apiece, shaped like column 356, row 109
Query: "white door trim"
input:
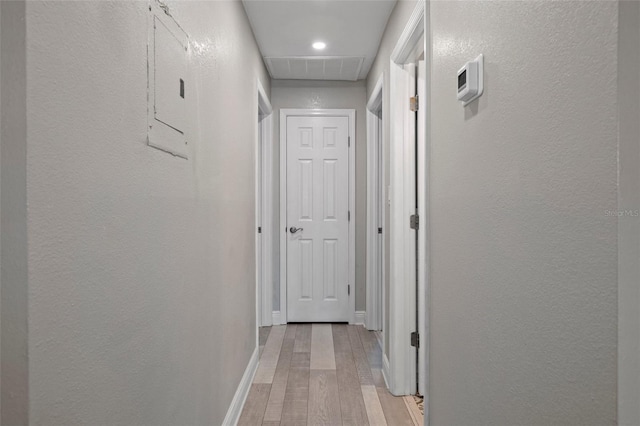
column 402, row 297
column 264, row 275
column 401, row 238
column 423, row 232
column 412, row 32
column 291, row 112
column 263, row 100
column 374, row 281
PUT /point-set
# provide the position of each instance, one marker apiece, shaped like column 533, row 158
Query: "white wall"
column 629, row 224
column 523, row 257
column 397, row 21
column 13, row 218
column 141, row 265
column 326, row 94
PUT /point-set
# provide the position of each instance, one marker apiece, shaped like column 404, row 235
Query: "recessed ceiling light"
column 318, row 45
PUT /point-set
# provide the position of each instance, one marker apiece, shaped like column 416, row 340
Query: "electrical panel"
column 168, row 48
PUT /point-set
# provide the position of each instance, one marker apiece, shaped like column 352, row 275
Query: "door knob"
column 293, row 229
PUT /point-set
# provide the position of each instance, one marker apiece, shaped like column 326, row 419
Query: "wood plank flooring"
column 323, row 374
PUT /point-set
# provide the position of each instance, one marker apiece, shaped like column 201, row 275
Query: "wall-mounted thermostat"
column 470, row 80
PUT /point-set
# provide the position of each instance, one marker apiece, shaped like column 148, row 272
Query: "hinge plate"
column 349, row 141
column 414, row 103
column 259, row 229
column 348, row 289
column 349, row 216
column 414, row 221
column 379, row 230
column 415, row 339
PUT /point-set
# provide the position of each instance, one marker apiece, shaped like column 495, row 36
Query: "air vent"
column 315, row 67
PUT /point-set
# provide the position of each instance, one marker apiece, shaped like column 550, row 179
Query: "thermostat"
column 470, row 80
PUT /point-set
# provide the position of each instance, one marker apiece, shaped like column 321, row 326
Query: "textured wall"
column 141, row 265
column 326, row 94
column 395, row 26
column 629, row 224
column 13, row 220
column 524, row 258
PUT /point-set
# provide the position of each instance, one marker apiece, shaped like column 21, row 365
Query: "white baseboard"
column 237, row 403
column 385, row 370
column 276, row 318
column 360, row 316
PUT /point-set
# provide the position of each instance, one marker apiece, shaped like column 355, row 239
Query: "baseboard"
column 385, row 370
column 276, row 318
column 360, row 316
column 237, row 403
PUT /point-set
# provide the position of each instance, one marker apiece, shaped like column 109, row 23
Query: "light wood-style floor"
column 323, row 374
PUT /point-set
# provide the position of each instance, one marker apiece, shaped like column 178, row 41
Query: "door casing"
column 301, row 112
column 399, row 368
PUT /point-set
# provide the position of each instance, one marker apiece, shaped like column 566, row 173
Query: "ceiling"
column 286, row 29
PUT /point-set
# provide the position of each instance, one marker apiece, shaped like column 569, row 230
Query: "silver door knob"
column 293, row 229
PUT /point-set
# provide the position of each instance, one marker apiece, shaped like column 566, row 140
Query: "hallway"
column 323, row 374
column 461, row 176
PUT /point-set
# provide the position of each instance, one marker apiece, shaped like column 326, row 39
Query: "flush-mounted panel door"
column 317, row 219
column 167, row 50
column 170, row 66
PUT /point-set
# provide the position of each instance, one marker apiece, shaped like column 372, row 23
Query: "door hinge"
column 415, row 339
column 349, row 141
column 259, row 229
column 348, row 289
column 379, row 230
column 349, row 216
column 414, row 221
column 414, row 103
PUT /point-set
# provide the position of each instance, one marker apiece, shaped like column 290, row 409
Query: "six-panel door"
column 317, row 212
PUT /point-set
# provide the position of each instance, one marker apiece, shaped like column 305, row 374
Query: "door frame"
column 302, row 112
column 401, row 371
column 375, row 211
column 264, row 183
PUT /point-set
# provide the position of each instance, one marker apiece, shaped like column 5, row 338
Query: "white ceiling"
column 285, row 30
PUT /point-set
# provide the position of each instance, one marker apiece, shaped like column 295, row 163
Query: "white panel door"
column 317, row 213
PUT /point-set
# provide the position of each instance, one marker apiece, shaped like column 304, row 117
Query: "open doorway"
column 264, row 210
column 375, row 212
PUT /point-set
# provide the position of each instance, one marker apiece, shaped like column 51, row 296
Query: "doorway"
column 317, row 201
column 408, row 290
column 264, row 209
column 375, row 211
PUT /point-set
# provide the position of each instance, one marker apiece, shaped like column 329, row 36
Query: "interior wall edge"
column 628, row 207
column 14, row 366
